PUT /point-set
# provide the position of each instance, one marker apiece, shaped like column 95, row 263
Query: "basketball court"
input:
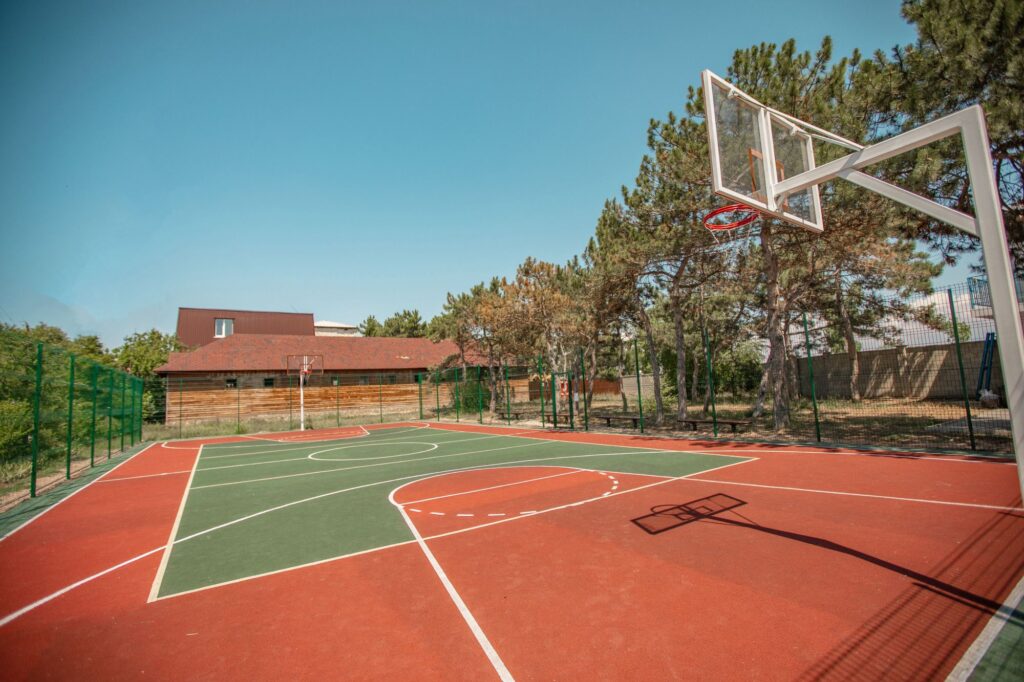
column 442, row 551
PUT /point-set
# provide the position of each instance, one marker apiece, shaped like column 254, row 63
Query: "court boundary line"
column 841, row 493
column 75, row 492
column 376, row 442
column 118, row 479
column 774, row 446
column 158, row 577
column 361, row 466
column 979, row 648
column 478, row 633
column 495, row 487
column 410, row 425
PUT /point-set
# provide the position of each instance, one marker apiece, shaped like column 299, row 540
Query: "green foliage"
column 143, row 352
column 406, row 324
column 371, row 327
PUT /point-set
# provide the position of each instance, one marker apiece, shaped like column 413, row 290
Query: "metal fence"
column 60, row 415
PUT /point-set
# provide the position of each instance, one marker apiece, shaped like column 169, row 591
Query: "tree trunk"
column 677, row 321
column 851, row 341
column 622, row 370
column 652, row 350
column 492, row 384
column 776, row 333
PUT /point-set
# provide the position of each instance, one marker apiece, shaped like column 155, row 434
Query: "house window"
column 231, row 383
column 335, row 381
column 223, row 326
column 268, row 382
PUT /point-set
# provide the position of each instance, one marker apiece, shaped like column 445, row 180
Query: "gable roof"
column 196, row 325
column 267, row 352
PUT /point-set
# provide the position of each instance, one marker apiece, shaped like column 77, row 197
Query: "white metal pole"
column 989, row 217
column 302, row 400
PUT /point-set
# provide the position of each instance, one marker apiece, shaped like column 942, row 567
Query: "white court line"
column 159, row 577
column 460, row 604
column 869, row 495
column 297, row 448
column 972, row 657
column 260, row 439
column 433, row 446
column 361, row 466
column 34, row 605
column 765, row 448
column 411, row 478
column 75, row 492
column 493, row 487
column 580, row 503
column 118, row 479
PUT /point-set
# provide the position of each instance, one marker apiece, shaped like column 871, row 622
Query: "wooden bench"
column 633, row 419
column 721, row 422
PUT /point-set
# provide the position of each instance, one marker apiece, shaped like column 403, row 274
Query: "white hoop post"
column 303, row 373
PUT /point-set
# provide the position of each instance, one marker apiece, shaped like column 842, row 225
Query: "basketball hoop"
column 750, row 216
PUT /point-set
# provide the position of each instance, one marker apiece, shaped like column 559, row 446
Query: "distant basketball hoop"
column 303, row 366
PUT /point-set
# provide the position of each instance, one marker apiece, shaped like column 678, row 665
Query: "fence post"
column 568, row 383
column 508, row 400
column 124, row 387
column 110, row 412
column 810, row 376
column 92, row 425
column 35, row 417
column 639, row 392
column 419, row 391
column 960, row 364
column 181, row 390
column 71, row 412
column 540, row 382
column 711, row 379
column 238, row 406
column 337, row 400
column 138, row 413
column 437, row 395
column 479, row 397
column 458, row 397
column 554, row 402
column 583, row 380
column 131, row 428
column 380, row 396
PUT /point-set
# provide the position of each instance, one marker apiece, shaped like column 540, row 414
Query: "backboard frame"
column 763, row 159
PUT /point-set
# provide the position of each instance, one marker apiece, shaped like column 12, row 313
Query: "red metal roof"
column 267, row 352
column 196, row 325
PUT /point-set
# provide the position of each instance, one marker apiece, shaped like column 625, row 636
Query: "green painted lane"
column 326, row 513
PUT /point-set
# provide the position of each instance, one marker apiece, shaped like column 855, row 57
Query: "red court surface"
column 827, row 564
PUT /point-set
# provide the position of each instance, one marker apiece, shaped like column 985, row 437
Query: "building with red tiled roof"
column 200, row 326
column 266, row 354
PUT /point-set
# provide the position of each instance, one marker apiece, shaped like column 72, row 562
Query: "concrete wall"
column 919, row 372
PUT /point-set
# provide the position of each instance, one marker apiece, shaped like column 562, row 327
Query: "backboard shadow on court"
column 665, row 517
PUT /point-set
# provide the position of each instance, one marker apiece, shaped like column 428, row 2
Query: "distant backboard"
column 304, row 364
column 753, row 149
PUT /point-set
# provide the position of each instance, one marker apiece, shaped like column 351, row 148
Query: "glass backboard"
column 753, row 149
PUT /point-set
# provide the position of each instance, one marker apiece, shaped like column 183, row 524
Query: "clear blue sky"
column 339, row 158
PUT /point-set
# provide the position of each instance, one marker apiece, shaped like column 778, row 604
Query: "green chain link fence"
column 60, row 415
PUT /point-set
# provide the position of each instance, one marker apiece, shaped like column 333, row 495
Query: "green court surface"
column 259, row 507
